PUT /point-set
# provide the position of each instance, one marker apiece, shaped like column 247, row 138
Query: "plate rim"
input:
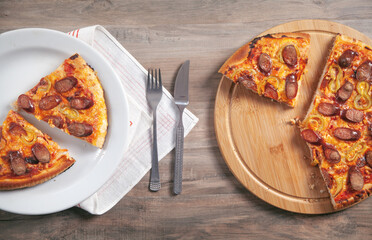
column 125, row 117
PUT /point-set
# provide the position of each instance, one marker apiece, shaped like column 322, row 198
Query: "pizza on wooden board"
column 271, row 65
column 70, row 98
column 27, row 156
column 338, row 126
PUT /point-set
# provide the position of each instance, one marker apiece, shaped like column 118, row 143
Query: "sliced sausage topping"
column 346, row 134
column 327, row 178
column 356, row 179
column 270, row 91
column 364, row 71
column 41, row 152
column 80, row 103
column 248, row 82
column 345, row 91
column 311, row 137
column 49, row 102
column 31, row 160
column 16, row 129
column 25, row 103
column 289, row 55
column 65, row 84
column 368, row 157
column 346, row 58
column 56, row 120
column 17, row 162
column 328, row 109
column 361, row 162
column 80, row 129
column 331, row 154
column 291, row 86
column 264, row 63
column 353, row 115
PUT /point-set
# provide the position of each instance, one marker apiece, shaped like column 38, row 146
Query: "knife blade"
column 181, row 98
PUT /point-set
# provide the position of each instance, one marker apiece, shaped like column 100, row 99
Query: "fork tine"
column 152, row 78
column 148, row 79
column 160, row 84
column 156, row 79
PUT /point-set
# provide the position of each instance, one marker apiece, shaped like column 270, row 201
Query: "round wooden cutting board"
column 266, row 153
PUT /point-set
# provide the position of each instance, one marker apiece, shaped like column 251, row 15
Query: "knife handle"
column 177, row 188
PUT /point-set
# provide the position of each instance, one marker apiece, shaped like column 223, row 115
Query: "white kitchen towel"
column 136, row 162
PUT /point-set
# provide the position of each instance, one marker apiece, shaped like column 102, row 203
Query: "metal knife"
column 181, row 98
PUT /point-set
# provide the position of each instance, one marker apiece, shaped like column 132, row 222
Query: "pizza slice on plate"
column 271, row 65
column 338, row 125
column 70, row 98
column 27, row 156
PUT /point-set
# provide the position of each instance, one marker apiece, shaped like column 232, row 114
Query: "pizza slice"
column 271, row 65
column 27, row 156
column 338, row 126
column 70, row 98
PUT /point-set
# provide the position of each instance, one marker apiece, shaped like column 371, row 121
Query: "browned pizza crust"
column 351, row 201
column 16, row 183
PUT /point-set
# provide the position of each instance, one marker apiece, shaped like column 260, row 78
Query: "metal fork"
column 154, row 93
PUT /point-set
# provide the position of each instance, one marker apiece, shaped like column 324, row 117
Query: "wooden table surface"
column 213, row 204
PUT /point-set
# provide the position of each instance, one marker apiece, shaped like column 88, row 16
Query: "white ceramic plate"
column 26, row 55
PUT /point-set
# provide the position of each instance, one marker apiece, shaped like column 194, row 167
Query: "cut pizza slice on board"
column 338, row 126
column 70, row 98
column 271, row 65
column 27, row 156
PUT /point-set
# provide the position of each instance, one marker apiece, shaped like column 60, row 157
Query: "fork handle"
column 177, row 188
column 154, row 177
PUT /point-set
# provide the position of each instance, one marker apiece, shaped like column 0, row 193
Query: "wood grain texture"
column 213, row 204
column 263, row 150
